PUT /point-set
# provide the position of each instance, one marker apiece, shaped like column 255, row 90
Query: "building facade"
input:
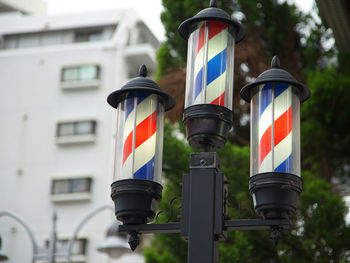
column 57, row 131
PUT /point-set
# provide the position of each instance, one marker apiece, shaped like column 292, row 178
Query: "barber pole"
column 275, row 137
column 137, row 189
column 208, row 116
column 275, row 181
column 139, row 136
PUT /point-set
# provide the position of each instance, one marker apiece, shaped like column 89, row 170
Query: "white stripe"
column 217, row 44
column 145, row 152
column 283, row 150
column 146, row 108
column 216, row 88
column 126, row 168
column 265, row 120
column 129, row 124
column 266, row 165
column 199, row 61
column 283, row 102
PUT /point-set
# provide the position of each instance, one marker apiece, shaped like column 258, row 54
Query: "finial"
column 134, row 240
column 143, row 71
column 275, row 62
column 213, row 3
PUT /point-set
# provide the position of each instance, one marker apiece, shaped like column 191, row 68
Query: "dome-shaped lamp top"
column 212, row 13
column 276, row 74
column 142, row 84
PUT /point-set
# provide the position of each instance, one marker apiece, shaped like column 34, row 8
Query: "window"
column 79, row 246
column 82, row 131
column 80, row 73
column 70, row 186
column 88, row 35
column 76, row 128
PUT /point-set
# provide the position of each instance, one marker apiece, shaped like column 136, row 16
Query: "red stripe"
column 283, row 126
column 144, row 130
column 215, row 27
column 264, row 145
column 219, row 100
column 201, row 38
column 127, row 146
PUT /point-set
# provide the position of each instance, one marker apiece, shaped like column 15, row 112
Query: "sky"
column 149, row 10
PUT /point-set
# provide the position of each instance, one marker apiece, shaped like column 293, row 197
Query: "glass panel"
column 139, row 137
column 29, row 40
column 70, row 74
column 79, row 246
column 296, row 131
column 80, row 185
column 65, row 129
column 282, row 129
column 125, row 138
column 145, row 136
column 210, row 65
column 88, row 35
column 216, row 67
column 275, row 135
column 60, row 187
column 87, row 72
column 86, row 127
column 50, row 38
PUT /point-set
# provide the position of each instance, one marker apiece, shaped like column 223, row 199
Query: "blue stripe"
column 130, row 101
column 285, row 166
column 146, row 172
column 279, row 88
column 129, row 104
column 216, row 66
column 198, row 84
column 265, row 97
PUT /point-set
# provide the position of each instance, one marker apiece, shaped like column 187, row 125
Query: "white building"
column 34, row 7
column 57, row 131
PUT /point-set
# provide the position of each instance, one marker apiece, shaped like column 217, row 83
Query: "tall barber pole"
column 139, row 144
column 208, row 116
column 275, row 181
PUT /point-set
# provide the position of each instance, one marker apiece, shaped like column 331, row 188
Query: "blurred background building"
column 57, row 130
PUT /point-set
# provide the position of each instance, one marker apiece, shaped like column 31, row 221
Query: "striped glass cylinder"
column 275, row 129
column 210, row 65
column 139, row 142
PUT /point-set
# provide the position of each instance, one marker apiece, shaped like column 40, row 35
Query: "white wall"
column 31, row 102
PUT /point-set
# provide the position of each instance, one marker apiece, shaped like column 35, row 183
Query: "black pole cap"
column 273, row 75
column 212, row 13
column 142, row 84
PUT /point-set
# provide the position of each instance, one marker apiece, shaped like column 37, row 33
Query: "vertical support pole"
column 203, row 200
column 53, row 239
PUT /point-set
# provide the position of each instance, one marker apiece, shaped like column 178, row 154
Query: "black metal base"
column 207, row 125
column 275, row 194
column 136, row 200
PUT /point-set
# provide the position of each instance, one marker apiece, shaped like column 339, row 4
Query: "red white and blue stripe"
column 210, row 63
column 140, row 128
column 275, row 128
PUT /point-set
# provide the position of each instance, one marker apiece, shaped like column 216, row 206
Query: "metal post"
column 53, row 238
column 201, row 224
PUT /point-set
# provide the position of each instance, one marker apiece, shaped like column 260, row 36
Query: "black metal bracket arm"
column 237, row 224
column 203, row 219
